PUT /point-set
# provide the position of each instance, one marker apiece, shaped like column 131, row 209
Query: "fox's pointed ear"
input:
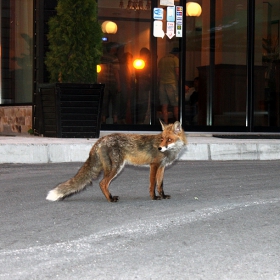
column 177, row 127
column 163, row 125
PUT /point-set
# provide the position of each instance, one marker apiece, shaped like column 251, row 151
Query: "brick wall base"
column 15, row 120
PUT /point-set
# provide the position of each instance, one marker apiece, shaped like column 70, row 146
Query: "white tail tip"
column 53, row 195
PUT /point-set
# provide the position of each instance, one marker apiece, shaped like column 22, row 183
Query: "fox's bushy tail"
column 90, row 170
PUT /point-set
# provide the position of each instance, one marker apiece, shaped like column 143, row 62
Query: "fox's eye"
column 169, row 140
column 161, row 139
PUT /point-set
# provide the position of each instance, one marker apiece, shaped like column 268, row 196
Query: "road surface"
column 222, row 222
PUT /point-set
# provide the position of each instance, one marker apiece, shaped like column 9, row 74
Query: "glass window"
column 168, row 78
column 126, row 27
column 216, row 69
column 267, row 64
column 16, row 51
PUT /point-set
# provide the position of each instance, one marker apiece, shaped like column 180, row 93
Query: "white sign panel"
column 158, row 13
column 179, row 21
column 167, row 2
column 170, row 30
column 170, row 14
column 158, row 32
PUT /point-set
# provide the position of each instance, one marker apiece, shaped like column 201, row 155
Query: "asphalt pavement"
column 222, row 222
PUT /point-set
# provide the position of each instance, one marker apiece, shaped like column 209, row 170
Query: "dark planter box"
column 68, row 110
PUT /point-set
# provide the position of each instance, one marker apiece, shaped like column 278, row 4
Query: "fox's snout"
column 165, row 148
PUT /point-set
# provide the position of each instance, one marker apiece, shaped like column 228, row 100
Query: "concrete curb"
column 45, row 150
column 234, row 151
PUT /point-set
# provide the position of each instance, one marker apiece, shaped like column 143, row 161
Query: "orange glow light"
column 139, row 64
column 98, row 68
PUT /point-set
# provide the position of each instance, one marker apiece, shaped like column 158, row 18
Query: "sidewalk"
column 31, row 149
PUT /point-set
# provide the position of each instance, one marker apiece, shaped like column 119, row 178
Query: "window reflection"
column 267, row 101
column 128, row 102
column 16, row 51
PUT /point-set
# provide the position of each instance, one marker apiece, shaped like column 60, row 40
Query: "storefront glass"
column 217, row 63
column 215, row 70
column 267, row 65
column 16, row 51
column 126, row 26
column 215, row 86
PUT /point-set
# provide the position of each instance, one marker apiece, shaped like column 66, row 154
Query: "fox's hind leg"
column 112, row 165
column 104, row 185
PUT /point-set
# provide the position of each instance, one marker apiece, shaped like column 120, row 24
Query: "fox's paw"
column 156, row 197
column 163, row 196
column 53, row 195
column 114, row 198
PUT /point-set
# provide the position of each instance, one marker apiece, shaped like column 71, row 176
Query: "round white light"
column 109, row 27
column 193, row 9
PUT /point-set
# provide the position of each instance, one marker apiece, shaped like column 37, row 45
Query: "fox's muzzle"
column 162, row 149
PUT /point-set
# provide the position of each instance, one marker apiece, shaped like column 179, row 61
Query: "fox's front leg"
column 156, row 179
column 153, row 173
column 112, row 165
column 159, row 182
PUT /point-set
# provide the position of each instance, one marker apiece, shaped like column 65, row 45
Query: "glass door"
column 16, row 37
column 216, row 65
column 267, row 65
column 125, row 66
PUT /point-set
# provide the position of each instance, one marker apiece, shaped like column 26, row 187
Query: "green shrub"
column 75, row 42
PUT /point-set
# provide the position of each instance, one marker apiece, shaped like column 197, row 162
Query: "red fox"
column 110, row 153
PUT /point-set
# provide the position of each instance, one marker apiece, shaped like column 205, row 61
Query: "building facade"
column 228, row 74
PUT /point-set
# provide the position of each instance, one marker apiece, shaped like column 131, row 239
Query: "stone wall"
column 15, row 120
